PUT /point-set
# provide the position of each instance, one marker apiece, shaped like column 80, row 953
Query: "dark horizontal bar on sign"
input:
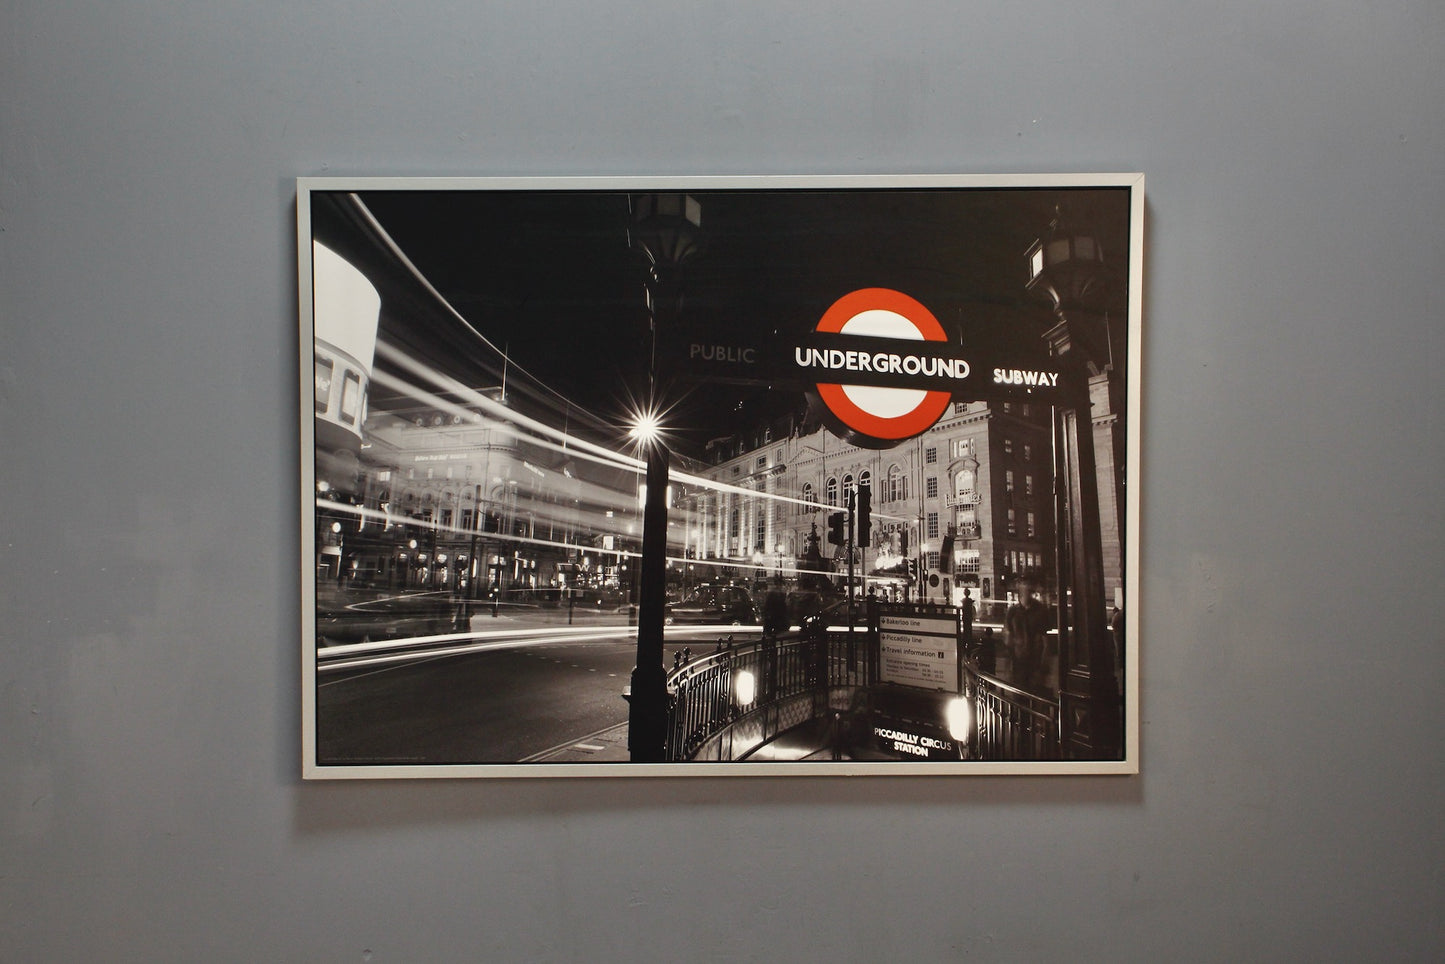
column 882, row 362
column 838, row 359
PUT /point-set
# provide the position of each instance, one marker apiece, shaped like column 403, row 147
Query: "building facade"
column 969, row 503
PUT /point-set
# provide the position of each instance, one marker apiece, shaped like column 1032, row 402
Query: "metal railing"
column 1011, row 723
column 743, row 695
column 727, row 703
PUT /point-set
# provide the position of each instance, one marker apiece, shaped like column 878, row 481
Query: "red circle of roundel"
column 934, row 403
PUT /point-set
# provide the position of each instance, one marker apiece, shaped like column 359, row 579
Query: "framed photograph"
column 692, row 476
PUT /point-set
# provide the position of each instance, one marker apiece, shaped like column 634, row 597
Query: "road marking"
column 593, row 747
column 606, row 730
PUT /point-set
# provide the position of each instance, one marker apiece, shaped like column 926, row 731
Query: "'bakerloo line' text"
column 927, row 365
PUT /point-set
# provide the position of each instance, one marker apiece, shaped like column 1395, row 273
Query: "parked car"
column 722, row 605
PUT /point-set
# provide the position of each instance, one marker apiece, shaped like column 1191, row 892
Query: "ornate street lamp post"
column 1069, row 267
column 667, row 230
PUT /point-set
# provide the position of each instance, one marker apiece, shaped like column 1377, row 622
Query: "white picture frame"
column 473, row 570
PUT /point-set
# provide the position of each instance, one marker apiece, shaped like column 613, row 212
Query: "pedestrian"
column 987, row 658
column 1025, row 626
column 775, row 611
column 966, row 611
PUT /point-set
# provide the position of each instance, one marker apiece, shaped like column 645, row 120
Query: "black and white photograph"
column 747, row 475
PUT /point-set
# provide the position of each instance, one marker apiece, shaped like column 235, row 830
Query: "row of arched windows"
column 835, row 488
column 895, row 487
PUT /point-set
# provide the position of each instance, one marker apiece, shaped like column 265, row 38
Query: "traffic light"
column 836, row 523
column 865, row 513
column 912, row 569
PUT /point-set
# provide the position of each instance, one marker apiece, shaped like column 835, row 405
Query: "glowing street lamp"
column 647, row 430
column 959, row 716
column 745, row 688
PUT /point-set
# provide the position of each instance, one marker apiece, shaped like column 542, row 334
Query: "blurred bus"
column 346, row 308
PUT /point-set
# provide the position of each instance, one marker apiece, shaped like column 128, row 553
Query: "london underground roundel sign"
column 871, row 414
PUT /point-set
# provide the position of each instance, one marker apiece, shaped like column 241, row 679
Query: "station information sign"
column 918, row 646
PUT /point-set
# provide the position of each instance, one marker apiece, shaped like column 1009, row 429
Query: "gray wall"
column 1292, row 774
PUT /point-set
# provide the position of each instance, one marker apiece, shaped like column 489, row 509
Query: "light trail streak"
column 499, row 411
column 544, row 432
column 331, row 659
column 441, row 300
column 762, row 568
column 500, row 418
column 571, row 445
